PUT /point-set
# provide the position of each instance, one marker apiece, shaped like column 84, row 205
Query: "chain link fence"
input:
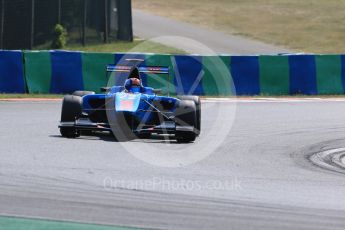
column 25, row 24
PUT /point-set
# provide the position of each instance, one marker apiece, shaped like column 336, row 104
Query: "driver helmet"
column 133, row 85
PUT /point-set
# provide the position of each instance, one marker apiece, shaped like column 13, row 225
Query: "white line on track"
column 269, row 100
column 210, row 100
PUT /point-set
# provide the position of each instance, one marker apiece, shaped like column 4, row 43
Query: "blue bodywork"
column 141, row 107
column 131, row 109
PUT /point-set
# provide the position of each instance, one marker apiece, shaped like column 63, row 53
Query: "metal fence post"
column 125, row 32
column 32, row 32
column 2, row 23
column 84, row 23
column 106, row 21
column 59, row 12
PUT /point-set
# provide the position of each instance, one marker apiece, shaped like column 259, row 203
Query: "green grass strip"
column 12, row 96
column 14, row 223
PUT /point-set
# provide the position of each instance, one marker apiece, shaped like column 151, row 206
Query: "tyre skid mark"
column 332, row 159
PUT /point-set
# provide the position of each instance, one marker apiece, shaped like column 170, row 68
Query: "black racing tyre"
column 69, row 132
column 82, row 93
column 71, row 109
column 197, row 102
column 185, row 115
column 144, row 135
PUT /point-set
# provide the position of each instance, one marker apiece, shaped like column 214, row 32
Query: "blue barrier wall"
column 63, row 72
column 67, row 72
column 245, row 74
column 188, row 75
column 11, row 72
column 302, row 74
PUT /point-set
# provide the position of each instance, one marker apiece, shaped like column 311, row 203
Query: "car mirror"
column 157, row 91
column 105, row 89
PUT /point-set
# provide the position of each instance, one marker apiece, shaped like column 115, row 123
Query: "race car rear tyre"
column 186, row 115
column 82, row 93
column 71, row 109
column 197, row 102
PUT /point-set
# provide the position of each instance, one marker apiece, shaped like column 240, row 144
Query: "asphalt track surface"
column 148, row 26
column 260, row 177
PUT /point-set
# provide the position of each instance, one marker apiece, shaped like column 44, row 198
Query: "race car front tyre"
column 69, row 132
column 197, row 102
column 71, row 109
column 144, row 135
column 185, row 116
column 82, row 93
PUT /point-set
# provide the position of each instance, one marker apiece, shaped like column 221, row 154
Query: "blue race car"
column 132, row 110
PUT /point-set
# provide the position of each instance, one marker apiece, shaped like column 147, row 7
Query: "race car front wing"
column 166, row 127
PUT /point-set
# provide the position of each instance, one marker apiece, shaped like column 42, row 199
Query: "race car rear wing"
column 143, row 69
column 161, row 70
